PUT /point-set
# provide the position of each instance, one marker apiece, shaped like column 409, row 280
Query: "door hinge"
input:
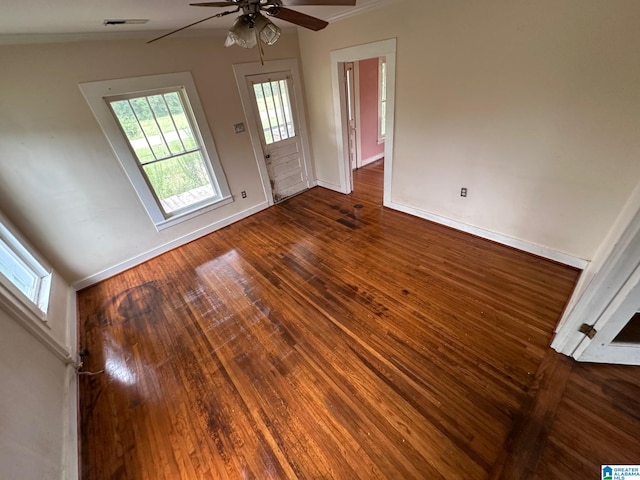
column 588, row 330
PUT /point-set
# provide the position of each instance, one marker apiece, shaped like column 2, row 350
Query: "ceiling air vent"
column 125, row 21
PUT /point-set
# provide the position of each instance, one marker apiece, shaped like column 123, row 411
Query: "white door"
column 616, row 333
column 279, row 132
column 349, row 74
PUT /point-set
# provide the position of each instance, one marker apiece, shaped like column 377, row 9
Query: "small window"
column 22, row 275
column 154, row 126
column 382, row 97
column 274, row 107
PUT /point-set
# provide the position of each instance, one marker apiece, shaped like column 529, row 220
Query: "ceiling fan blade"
column 217, row 15
column 306, row 21
column 300, row 3
column 213, row 4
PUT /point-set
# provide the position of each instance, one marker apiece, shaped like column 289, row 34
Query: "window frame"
column 382, row 98
column 98, row 95
column 36, row 306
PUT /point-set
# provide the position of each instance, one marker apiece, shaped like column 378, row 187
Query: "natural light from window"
column 20, row 271
column 161, row 135
column 275, row 110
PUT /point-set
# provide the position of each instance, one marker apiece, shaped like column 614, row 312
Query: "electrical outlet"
column 244, row 194
column 238, row 128
column 463, row 192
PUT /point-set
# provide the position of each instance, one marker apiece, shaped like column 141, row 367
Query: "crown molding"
column 372, row 5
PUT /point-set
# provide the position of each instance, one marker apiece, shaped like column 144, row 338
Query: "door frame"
column 601, row 348
column 243, row 70
column 604, row 284
column 384, row 48
column 355, row 78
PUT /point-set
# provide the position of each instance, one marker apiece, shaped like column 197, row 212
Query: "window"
column 22, row 277
column 274, row 107
column 154, row 125
column 382, row 98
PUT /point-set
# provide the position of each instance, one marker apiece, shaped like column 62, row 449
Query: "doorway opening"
column 346, row 65
column 365, row 110
column 273, row 105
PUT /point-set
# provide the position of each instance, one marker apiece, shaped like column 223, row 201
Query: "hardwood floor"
column 328, row 337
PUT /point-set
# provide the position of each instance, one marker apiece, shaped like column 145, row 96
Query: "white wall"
column 38, row 403
column 61, row 184
column 32, row 406
column 533, row 106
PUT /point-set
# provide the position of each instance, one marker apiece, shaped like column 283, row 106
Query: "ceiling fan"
column 252, row 27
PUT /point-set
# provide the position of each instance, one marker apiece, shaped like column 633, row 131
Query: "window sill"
column 188, row 215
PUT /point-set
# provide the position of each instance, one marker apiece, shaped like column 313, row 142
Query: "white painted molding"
column 241, row 71
column 616, row 259
column 330, row 186
column 384, row 48
column 70, row 425
column 137, row 260
column 372, row 5
column 33, row 324
column 523, row 245
column 372, row 159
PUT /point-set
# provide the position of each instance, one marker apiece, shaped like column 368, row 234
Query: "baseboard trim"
column 372, row 159
column 137, row 260
column 523, row 245
column 70, row 424
column 330, row 186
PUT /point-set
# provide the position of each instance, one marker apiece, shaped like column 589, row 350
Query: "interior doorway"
column 365, row 110
column 386, row 50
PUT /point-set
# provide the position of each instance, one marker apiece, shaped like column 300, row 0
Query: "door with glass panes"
column 273, row 103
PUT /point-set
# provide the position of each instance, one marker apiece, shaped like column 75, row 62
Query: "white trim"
column 174, row 220
column 154, row 252
column 330, row 186
column 70, row 424
column 372, row 159
column 372, row 5
column 243, row 70
column 34, row 325
column 381, row 63
column 523, row 245
column 384, row 48
column 611, row 322
column 97, row 95
column 356, row 93
column 612, row 266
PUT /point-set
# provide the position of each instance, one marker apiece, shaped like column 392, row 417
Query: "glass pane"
column 18, row 273
column 180, row 181
column 383, row 116
column 264, row 113
column 274, row 107
column 180, row 120
column 149, row 126
column 131, row 128
column 287, row 108
column 156, row 126
column 166, row 124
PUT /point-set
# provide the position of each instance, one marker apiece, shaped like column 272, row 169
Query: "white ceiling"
column 29, row 19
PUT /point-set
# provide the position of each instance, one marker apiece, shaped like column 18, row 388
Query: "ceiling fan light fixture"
column 241, row 33
column 268, row 31
column 246, row 30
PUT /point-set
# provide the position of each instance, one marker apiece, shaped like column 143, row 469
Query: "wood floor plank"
column 327, row 337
